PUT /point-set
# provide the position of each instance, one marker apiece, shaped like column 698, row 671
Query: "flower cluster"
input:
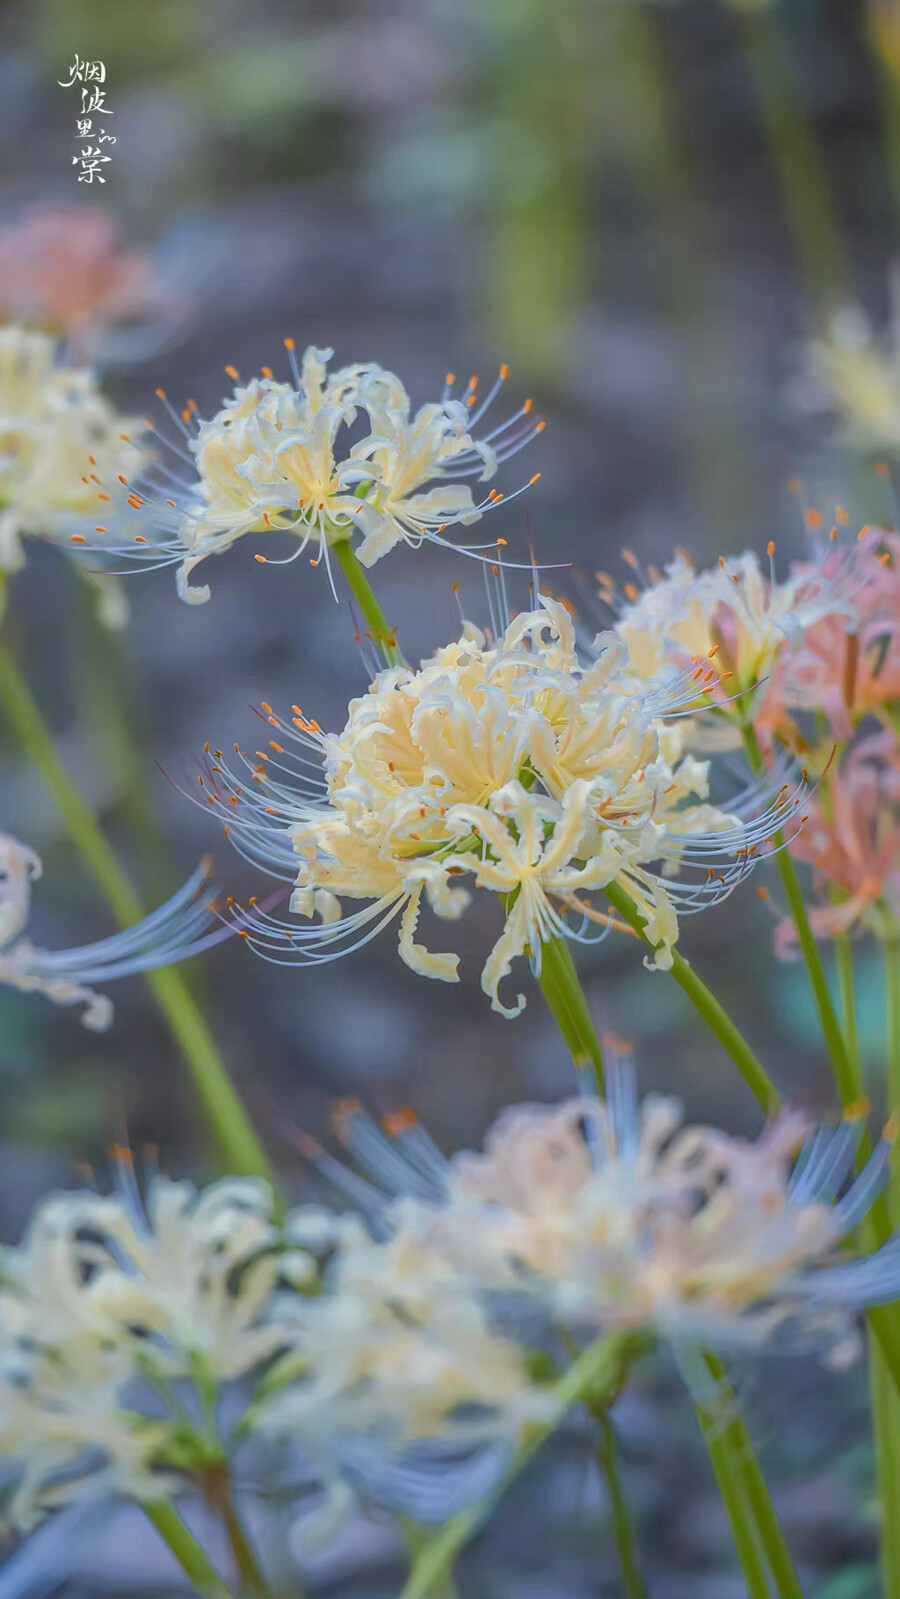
column 857, row 374
column 735, row 609
column 286, row 457
column 405, row 1344
column 527, row 767
column 185, row 925
column 613, row 1214
column 58, row 434
column 112, row 1311
column 62, row 271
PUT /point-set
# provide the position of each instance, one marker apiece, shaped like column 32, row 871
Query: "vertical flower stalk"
column 568, row 1005
column 383, row 636
column 885, row 1398
column 188, row 1552
column 795, row 154
column 228, row 1121
column 633, row 1585
column 596, row 1372
column 812, row 959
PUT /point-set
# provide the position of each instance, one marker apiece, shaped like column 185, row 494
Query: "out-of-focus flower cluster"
column 58, row 434
column 62, row 272
column 145, row 1340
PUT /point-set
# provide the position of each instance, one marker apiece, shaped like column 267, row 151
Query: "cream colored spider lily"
column 58, row 435
column 527, row 767
column 278, row 457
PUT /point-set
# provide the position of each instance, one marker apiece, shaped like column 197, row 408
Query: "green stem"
column 187, row 1551
column 633, row 1585
column 759, row 1500
column 417, row 1540
column 383, row 635
column 843, row 954
column 596, row 1372
column 812, row 958
column 796, row 156
column 716, row 1017
column 566, row 998
column 252, row 1579
column 735, row 1499
column 885, row 1399
column 234, row 1134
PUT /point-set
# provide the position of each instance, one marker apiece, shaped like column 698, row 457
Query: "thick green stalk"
column 187, row 1551
column 759, row 1500
column 737, row 1505
column 843, row 954
column 383, row 635
column 566, row 998
column 596, row 1372
column 885, row 1397
column 237, row 1141
column 796, row 156
column 633, row 1586
column 716, row 1017
column 812, row 957
column 417, row 1539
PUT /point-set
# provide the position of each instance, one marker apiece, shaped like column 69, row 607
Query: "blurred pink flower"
column 852, row 841
column 849, row 673
column 61, row 269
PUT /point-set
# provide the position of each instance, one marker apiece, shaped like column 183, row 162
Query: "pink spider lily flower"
column 744, row 617
column 852, row 841
column 62, row 270
column 280, row 457
column 847, row 667
column 185, row 925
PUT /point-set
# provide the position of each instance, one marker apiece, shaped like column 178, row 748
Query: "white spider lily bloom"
column 731, row 611
column 524, row 768
column 855, row 373
column 280, row 457
column 58, row 437
column 123, row 1317
column 191, row 1274
column 397, row 1346
column 606, row 1215
column 178, row 929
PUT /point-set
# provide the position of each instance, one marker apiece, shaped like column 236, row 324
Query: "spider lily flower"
column 614, row 1214
column 396, row 1384
column 848, row 667
column 62, row 271
column 280, row 457
column 852, row 843
column 58, row 434
column 119, row 1317
column 179, row 928
column 855, row 373
column 520, row 767
column 731, row 611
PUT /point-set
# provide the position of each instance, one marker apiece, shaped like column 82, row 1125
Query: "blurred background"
column 647, row 211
